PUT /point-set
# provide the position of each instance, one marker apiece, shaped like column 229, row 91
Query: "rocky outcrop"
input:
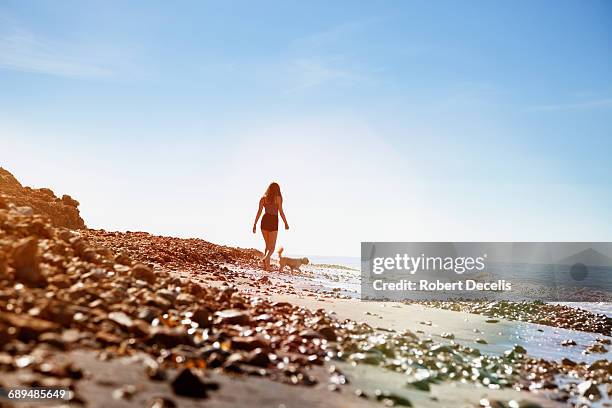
column 63, row 212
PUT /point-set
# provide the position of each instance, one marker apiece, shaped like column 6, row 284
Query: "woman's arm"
column 258, row 215
column 282, row 213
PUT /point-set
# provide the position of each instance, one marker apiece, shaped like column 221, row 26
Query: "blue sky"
column 412, row 120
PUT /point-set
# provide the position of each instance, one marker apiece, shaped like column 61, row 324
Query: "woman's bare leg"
column 271, row 244
column 263, row 257
column 266, row 236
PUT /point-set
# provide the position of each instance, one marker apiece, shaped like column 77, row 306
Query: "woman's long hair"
column 272, row 192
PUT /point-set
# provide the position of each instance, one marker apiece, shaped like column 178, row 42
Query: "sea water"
column 542, row 341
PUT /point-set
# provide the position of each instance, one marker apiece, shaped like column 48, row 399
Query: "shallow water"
column 541, row 341
column 545, row 342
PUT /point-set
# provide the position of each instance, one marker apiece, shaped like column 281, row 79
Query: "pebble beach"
column 133, row 319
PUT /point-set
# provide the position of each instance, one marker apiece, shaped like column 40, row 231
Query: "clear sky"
column 381, row 120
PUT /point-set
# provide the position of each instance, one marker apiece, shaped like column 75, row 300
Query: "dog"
column 292, row 263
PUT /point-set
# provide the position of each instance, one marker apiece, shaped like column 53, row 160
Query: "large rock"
column 167, row 337
column 28, row 328
column 24, row 259
column 143, row 272
column 188, row 384
column 63, row 212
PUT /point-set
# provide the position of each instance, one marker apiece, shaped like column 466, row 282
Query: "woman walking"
column 272, row 201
